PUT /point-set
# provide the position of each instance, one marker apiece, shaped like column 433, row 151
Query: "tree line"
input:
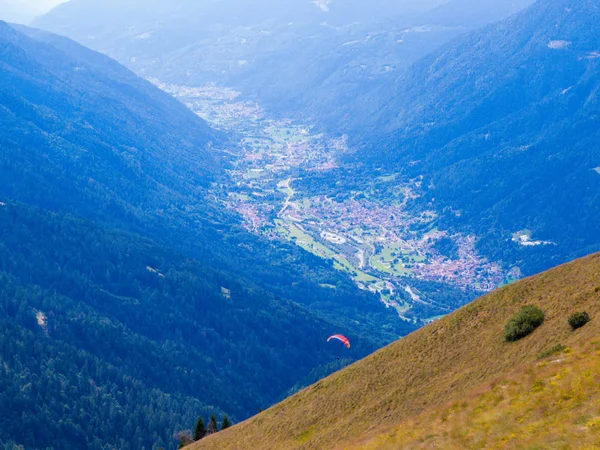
column 201, row 430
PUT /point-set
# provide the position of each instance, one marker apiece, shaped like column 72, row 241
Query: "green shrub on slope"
column 523, row 323
column 578, row 320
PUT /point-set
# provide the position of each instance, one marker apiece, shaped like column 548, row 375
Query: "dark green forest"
column 137, row 339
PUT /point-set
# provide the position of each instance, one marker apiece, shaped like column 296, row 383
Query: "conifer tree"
column 226, row 423
column 212, row 425
column 200, row 430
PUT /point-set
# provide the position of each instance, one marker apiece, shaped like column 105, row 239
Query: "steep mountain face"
column 68, row 109
column 160, row 29
column 131, row 301
column 456, row 383
column 298, row 57
column 503, row 126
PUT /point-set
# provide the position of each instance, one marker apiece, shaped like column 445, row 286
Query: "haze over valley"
column 282, row 78
column 24, row 11
column 197, row 196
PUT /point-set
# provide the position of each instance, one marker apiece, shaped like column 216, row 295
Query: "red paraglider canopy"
column 341, row 338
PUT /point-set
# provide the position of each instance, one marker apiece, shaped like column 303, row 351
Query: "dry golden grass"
column 552, row 405
column 456, row 383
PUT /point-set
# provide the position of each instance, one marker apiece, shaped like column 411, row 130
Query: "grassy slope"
column 430, row 387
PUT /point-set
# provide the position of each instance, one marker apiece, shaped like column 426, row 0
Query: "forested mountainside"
column 458, row 383
column 110, row 341
column 67, row 109
column 503, row 126
column 132, row 301
column 300, row 58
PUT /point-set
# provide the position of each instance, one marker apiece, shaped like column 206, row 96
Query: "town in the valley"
column 375, row 239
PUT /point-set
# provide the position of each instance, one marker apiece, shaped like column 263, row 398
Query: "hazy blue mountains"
column 307, row 58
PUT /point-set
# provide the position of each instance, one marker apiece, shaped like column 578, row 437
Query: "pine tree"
column 200, row 430
column 226, row 423
column 212, row 425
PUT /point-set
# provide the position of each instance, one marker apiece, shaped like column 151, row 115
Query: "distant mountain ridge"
column 292, row 57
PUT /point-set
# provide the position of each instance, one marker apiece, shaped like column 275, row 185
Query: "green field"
column 293, row 233
column 516, row 237
column 392, row 259
column 255, row 173
column 508, row 279
column 387, row 178
column 285, row 188
column 242, row 197
column 291, row 135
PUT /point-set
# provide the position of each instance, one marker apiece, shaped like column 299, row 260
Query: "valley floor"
column 370, row 233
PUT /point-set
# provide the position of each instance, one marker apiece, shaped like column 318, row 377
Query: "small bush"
column 578, row 320
column 523, row 323
column 553, row 351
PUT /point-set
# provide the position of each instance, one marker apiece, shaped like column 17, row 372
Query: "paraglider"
column 341, row 338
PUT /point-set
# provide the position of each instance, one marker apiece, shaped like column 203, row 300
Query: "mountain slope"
column 83, row 113
column 502, row 124
column 551, row 405
column 450, row 362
